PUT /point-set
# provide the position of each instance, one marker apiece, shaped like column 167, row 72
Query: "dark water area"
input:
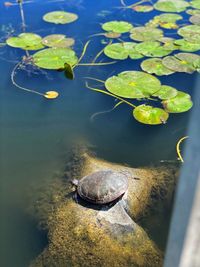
column 36, row 134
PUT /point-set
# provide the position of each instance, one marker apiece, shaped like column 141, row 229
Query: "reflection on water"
column 36, row 134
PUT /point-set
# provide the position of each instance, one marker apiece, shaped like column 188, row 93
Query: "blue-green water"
column 36, row 133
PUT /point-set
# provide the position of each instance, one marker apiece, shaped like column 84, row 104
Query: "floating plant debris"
column 54, row 58
column 51, row 94
column 117, row 26
column 26, row 41
column 171, row 5
column 150, row 115
column 180, row 103
column 145, row 34
column 60, row 17
column 122, row 51
column 155, row 66
column 58, row 40
column 190, row 33
column 133, row 84
column 166, row 92
column 153, row 49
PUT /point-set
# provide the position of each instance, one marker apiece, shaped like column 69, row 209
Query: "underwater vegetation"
column 160, row 54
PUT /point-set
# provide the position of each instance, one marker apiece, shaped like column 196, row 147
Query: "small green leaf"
column 150, row 115
column 145, row 34
column 57, row 40
column 26, row 41
column 153, row 49
column 180, row 103
column 117, row 26
column 166, row 92
column 60, row 17
column 155, row 66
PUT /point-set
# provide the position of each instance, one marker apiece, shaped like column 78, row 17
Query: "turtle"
column 102, row 187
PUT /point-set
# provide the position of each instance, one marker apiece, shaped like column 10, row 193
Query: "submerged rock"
column 85, row 235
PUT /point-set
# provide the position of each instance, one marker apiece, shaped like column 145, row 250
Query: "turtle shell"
column 103, row 186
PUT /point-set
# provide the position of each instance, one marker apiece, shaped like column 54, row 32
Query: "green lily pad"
column 184, row 45
column 150, row 115
column 55, row 58
column 117, row 26
column 195, row 19
column 145, row 34
column 112, row 35
column 57, row 40
column 195, row 4
column 190, row 33
column 166, row 40
column 176, row 64
column 180, row 103
column 155, row 66
column 60, row 17
column 166, row 92
column 171, row 5
column 168, row 17
column 133, row 84
column 122, row 51
column 26, row 41
column 192, row 60
column 192, row 11
column 143, row 8
column 152, row 49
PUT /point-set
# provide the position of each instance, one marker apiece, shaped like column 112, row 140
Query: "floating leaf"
column 112, row 35
column 185, row 45
column 51, row 94
column 150, row 115
column 57, row 40
column 168, row 25
column 195, row 4
column 171, row 5
column 195, row 19
column 155, row 66
column 143, row 8
column 54, row 58
column 193, row 11
column 122, row 51
column 133, row 84
column 180, row 103
column 26, row 41
column 168, row 17
column 176, row 64
column 166, row 92
column 68, row 70
column 145, row 34
column 60, row 17
column 152, row 49
column 166, row 40
column 190, row 33
column 117, row 26
column 192, row 60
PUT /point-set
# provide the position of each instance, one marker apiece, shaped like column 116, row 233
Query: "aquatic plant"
column 155, row 66
column 58, row 41
column 26, row 41
column 171, row 5
column 60, row 17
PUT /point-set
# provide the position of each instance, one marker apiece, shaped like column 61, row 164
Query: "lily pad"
column 180, row 103
column 60, row 17
column 145, row 34
column 112, row 35
column 150, row 115
column 26, row 41
column 192, row 60
column 143, row 8
column 152, row 49
column 55, row 58
column 122, row 51
column 155, row 66
column 133, row 84
column 185, row 45
column 117, row 26
column 190, row 33
column 171, row 5
column 195, row 19
column 166, row 92
column 195, row 4
column 192, row 11
column 57, row 40
column 178, row 65
column 168, row 17
column 169, row 25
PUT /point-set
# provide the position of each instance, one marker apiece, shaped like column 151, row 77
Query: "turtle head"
column 74, row 182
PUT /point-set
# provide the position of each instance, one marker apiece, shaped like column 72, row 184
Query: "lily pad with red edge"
column 180, row 103
column 155, row 66
column 150, row 115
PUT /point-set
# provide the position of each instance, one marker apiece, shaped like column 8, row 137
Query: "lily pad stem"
column 18, row 86
column 107, row 93
column 178, row 148
column 20, row 2
column 100, row 52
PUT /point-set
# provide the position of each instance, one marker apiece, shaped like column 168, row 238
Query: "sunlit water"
column 36, row 133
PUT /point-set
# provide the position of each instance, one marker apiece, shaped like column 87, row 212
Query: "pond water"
column 36, row 133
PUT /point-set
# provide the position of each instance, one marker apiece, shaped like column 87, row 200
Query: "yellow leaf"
column 51, row 94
